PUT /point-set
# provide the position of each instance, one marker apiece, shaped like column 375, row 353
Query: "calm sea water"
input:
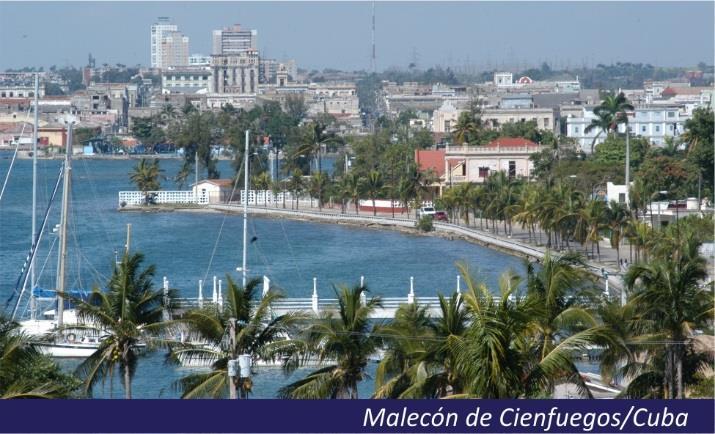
column 188, row 246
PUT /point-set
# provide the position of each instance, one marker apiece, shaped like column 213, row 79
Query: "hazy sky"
column 337, row 34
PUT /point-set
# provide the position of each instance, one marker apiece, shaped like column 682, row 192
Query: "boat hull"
column 66, row 350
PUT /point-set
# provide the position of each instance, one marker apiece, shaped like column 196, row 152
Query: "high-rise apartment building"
column 168, row 46
column 233, row 40
column 174, row 49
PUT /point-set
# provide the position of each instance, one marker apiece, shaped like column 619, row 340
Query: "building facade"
column 235, row 73
column 475, row 163
column 654, row 123
column 158, row 29
column 187, row 79
column 233, row 40
column 174, row 50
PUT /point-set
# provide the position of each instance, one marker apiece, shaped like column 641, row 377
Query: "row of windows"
column 191, row 77
column 16, row 94
column 643, row 128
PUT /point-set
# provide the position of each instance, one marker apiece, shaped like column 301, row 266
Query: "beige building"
column 235, row 73
column 476, row 163
column 545, row 118
column 174, row 49
column 445, row 118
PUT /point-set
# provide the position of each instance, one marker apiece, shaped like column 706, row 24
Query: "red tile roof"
column 434, row 160
column 511, row 141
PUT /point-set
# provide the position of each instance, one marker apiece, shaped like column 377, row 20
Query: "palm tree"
column 256, row 333
column 146, row 177
column 354, row 189
column 314, row 139
column 25, row 372
column 343, row 344
column 296, row 185
column 373, row 185
column 465, row 129
column 318, row 181
column 618, row 217
column 668, row 291
column 610, row 113
column 129, row 313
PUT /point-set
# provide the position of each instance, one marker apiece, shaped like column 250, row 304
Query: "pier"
column 313, row 305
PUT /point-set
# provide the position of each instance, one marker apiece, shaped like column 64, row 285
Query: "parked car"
column 441, row 216
column 426, row 210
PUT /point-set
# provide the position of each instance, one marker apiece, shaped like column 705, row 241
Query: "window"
column 483, row 172
column 621, row 198
column 464, row 169
column 546, row 122
column 671, row 114
column 643, row 129
column 576, row 130
column 512, row 169
column 670, row 127
column 657, row 128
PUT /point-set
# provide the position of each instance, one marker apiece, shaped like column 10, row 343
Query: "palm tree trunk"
column 127, row 374
column 374, row 210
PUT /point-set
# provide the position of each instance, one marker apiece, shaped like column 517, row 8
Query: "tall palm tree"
column 256, row 333
column 609, row 114
column 296, row 185
column 465, row 129
column 314, row 139
column 374, row 186
column 668, row 291
column 343, row 343
column 128, row 313
column 317, row 184
column 617, row 217
column 146, row 176
column 354, row 188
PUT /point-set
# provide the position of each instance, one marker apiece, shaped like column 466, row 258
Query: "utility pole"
column 232, row 363
column 33, row 281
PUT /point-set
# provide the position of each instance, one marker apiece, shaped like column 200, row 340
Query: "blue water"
column 188, row 246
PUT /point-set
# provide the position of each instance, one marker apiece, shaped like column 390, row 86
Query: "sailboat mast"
column 63, row 226
column 245, row 209
column 33, row 282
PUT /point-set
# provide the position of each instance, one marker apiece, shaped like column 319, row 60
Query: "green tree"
column 465, row 130
column 129, row 313
column 256, row 333
column 296, row 185
column 373, row 186
column 25, row 372
column 343, row 343
column 699, row 137
column 667, row 291
column 146, row 176
column 609, row 114
column 674, row 175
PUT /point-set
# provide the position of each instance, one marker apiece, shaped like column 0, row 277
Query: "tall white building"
column 168, row 46
column 233, row 40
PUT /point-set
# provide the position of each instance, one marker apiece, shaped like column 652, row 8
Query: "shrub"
column 424, row 224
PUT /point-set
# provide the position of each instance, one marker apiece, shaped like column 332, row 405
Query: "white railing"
column 136, row 198
column 493, row 149
column 266, row 197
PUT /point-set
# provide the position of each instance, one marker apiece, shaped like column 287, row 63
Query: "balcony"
column 483, row 150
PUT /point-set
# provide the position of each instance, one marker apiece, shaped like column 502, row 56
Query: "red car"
column 441, row 216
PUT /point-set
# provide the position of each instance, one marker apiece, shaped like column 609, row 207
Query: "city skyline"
column 452, row 35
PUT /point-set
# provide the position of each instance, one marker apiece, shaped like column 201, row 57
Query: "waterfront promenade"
column 516, row 244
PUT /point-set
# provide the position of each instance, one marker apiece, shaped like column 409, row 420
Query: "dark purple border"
column 282, row 416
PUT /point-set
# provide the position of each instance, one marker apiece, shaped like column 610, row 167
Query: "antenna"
column 373, row 38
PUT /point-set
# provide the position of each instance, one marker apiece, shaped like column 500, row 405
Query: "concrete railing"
column 159, row 197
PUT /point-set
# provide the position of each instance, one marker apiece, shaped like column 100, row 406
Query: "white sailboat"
column 46, row 331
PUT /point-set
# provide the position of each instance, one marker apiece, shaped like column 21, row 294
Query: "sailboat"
column 46, row 331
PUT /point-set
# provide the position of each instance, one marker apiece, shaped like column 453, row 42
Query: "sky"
column 486, row 35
